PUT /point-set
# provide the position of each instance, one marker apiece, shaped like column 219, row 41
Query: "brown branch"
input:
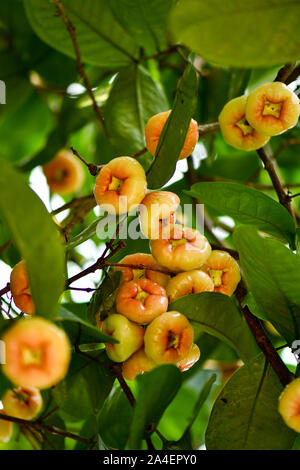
column 270, row 165
column 139, row 153
column 263, row 341
column 74, row 203
column 208, row 129
column 5, row 289
column 5, row 246
column 93, row 169
column 293, row 76
column 140, row 266
column 285, row 72
column 72, row 32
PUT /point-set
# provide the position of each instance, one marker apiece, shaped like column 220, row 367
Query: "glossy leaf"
column 245, row 415
column 272, row 273
column 101, row 39
column 174, row 132
column 217, row 315
column 36, row 237
column 220, row 31
column 248, row 206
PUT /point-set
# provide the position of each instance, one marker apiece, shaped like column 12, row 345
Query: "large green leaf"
column 272, row 273
column 248, row 206
column 255, row 33
column 102, row 40
column 245, row 415
column 84, row 390
column 175, row 129
column 156, row 390
column 134, row 98
column 217, row 315
column 145, row 20
column 36, row 237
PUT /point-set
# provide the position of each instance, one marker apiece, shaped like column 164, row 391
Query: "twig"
column 140, row 266
column 207, row 129
column 285, row 72
column 93, row 169
column 139, row 153
column 81, row 70
column 293, row 76
column 5, row 289
column 5, row 246
column 74, row 203
column 160, row 53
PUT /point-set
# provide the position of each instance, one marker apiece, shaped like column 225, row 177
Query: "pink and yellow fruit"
column 141, row 300
column 6, row 429
column 289, row 405
column 192, row 357
column 235, row 128
column 137, row 364
column 121, row 185
column 168, row 338
column 272, row 108
column 37, row 353
column 22, row 402
column 155, row 126
column 143, row 259
column 156, row 212
column 20, row 290
column 224, row 271
column 129, row 335
column 185, row 249
column 189, row 282
column 64, row 173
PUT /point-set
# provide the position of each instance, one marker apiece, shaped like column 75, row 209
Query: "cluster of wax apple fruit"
column 248, row 122
column 37, row 356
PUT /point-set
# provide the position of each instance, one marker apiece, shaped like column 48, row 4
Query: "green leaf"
column 102, row 40
column 86, row 234
column 255, row 33
column 145, row 20
column 156, row 390
column 36, row 237
column 104, row 297
column 174, row 132
column 115, row 418
column 79, row 330
column 217, row 315
column 248, row 206
column 245, row 415
column 272, row 273
column 134, row 98
column 84, row 390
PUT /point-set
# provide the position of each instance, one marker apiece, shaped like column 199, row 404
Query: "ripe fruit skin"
column 192, row 357
column 121, row 185
column 156, row 212
column 185, row 249
column 131, row 274
column 37, row 353
column 64, row 173
column 168, row 338
column 155, row 126
column 236, row 130
column 22, row 402
column 224, row 271
column 6, row 429
column 129, row 335
column 20, row 290
column 137, row 364
column 141, row 300
column 272, row 108
column 289, row 405
column 189, row 282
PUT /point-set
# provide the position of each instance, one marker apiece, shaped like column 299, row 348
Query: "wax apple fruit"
column 223, row 270
column 6, row 429
column 64, row 173
column 289, row 405
column 189, row 282
column 144, row 259
column 235, row 128
column 121, row 185
column 19, row 287
column 129, row 335
column 155, row 126
column 37, row 353
column 185, row 249
column 22, row 402
column 192, row 357
column 141, row 300
column 272, row 108
column 168, row 338
column 156, row 212
column 137, row 364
